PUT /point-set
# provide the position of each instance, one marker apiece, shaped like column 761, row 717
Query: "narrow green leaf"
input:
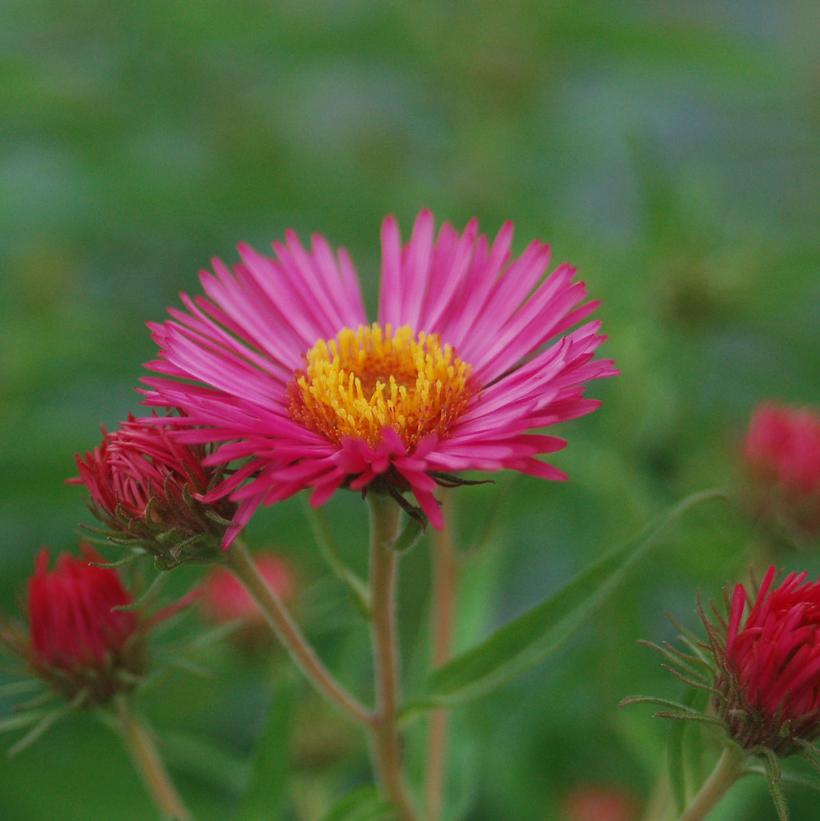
column 266, row 790
column 528, row 639
column 364, row 804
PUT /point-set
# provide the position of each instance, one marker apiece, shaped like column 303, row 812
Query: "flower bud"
column 761, row 673
column 147, row 489
column 77, row 642
column 223, row 599
column 768, row 665
column 781, row 458
column 593, row 802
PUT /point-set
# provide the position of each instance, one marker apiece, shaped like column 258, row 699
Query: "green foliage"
column 664, row 150
column 539, row 632
column 267, row 788
column 363, row 804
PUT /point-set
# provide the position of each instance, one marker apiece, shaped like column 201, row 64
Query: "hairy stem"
column 384, row 522
column 280, row 621
column 443, row 599
column 146, row 759
column 726, row 772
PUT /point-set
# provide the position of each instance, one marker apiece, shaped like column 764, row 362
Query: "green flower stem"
column 443, row 601
column 727, row 770
column 384, row 523
column 280, row 621
column 146, row 759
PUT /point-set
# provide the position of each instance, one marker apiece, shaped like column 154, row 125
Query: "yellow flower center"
column 370, row 378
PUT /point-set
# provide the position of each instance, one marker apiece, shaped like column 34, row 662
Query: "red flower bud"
column 78, row 641
column 224, row 599
column 592, row 802
column 781, row 455
column 146, row 487
column 769, row 664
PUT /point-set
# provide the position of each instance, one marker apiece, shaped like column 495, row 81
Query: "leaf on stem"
column 530, row 638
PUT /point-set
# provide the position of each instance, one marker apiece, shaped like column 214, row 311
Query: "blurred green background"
column 666, row 149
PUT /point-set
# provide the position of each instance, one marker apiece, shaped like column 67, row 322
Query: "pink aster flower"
column 471, row 352
column 781, row 455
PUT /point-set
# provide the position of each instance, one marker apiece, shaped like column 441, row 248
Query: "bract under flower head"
column 470, row 352
column 781, row 454
column 80, row 644
column 147, row 489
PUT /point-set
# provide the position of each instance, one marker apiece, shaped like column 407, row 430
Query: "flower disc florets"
column 147, row 488
column 79, row 643
column 372, row 378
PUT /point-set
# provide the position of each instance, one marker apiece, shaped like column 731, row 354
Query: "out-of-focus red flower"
column 592, row 802
column 769, row 664
column 146, row 487
column 224, row 599
column 77, row 642
column 781, row 454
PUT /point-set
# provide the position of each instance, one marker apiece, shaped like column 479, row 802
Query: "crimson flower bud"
column 761, row 672
column 224, row 599
column 768, row 674
column 78, row 643
column 593, row 802
column 147, row 488
column 781, row 457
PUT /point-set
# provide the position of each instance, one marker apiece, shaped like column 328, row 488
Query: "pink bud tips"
column 781, row 459
column 147, row 488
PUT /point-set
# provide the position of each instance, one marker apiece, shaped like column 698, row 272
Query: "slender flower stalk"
column 148, row 763
column 280, row 621
column 727, row 770
column 384, row 524
column 444, row 589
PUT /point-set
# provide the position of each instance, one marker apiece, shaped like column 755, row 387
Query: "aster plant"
column 274, row 381
column 278, row 368
column 761, row 671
